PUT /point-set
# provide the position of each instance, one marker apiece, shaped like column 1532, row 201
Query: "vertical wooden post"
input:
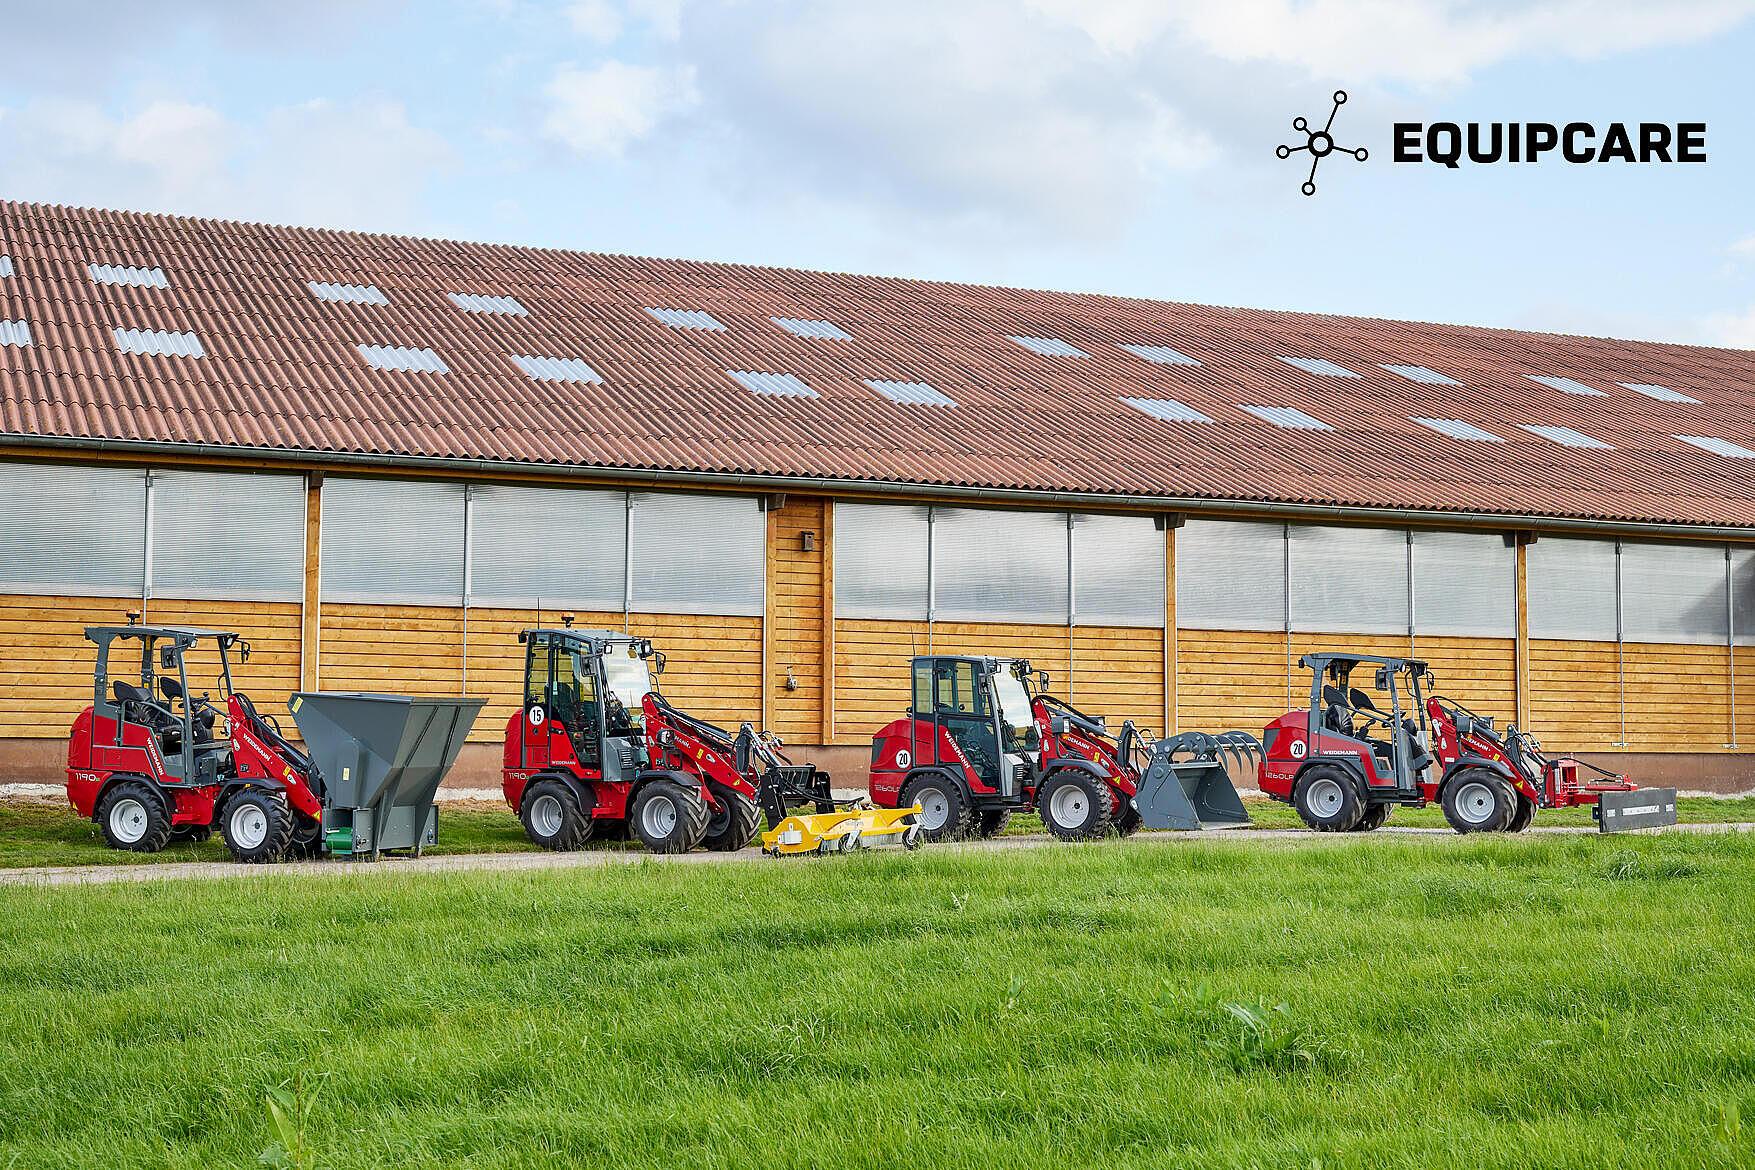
column 770, row 570
column 826, row 541
column 1521, row 653
column 311, row 607
column 1172, row 713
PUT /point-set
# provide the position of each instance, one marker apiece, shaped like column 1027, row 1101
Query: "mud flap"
column 1643, row 808
column 1187, row 795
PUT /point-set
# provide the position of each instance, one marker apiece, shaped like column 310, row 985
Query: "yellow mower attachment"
column 844, row 830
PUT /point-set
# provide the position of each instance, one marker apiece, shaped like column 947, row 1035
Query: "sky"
column 1117, row 146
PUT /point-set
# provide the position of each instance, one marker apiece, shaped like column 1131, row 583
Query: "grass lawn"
column 1559, row 1001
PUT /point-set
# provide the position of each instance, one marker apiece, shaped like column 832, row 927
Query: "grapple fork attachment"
column 1194, row 792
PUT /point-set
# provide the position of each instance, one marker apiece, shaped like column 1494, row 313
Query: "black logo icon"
column 1321, row 143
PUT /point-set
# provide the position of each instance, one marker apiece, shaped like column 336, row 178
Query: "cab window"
column 536, row 677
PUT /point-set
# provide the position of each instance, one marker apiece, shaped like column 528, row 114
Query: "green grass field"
column 1558, row 1001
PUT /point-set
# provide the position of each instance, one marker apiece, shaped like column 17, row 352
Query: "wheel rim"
column 545, row 815
column 658, row 818
column 1070, row 806
column 935, row 808
column 128, row 820
column 249, row 826
column 1325, row 797
column 719, row 819
column 1475, row 803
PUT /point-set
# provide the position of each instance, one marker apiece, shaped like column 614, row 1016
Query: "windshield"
column 626, row 676
column 1014, row 708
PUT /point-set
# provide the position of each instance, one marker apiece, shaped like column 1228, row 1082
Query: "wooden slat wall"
column 1574, row 694
column 45, row 674
column 1678, row 698
column 1230, row 679
column 271, row 628
column 1745, row 663
column 795, row 625
column 713, row 665
column 394, row 649
column 871, row 673
column 1479, row 673
column 1118, row 673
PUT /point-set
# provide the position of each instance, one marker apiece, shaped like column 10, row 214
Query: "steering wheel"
column 615, row 712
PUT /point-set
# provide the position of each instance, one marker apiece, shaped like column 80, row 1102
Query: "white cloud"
column 596, row 20
column 605, row 110
column 604, row 21
column 1736, row 330
column 1743, row 249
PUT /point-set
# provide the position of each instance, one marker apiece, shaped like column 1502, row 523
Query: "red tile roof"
column 282, row 371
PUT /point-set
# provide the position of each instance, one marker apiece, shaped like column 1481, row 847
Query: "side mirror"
column 167, row 658
column 1384, row 675
column 1042, row 680
column 243, row 651
column 657, row 662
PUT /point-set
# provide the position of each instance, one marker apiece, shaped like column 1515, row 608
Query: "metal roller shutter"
column 999, row 566
column 547, row 547
column 1571, row 589
column 1743, row 595
column 1231, row 576
column 391, row 541
column 79, row 531
column 1349, row 580
column 1674, row 593
column 697, row 554
column 880, row 560
column 1118, row 571
column 1465, row 585
column 220, row 535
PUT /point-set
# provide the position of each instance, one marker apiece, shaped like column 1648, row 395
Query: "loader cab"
column 983, row 706
column 162, row 690
column 1375, row 710
column 590, row 687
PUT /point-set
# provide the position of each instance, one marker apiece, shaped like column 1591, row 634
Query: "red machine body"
column 1550, row 782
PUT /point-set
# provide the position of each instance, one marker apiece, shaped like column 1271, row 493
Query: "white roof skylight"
column 1321, row 366
column 777, row 385
column 1162, row 354
column 15, row 333
column 351, row 294
column 1168, row 409
column 911, row 393
column 687, row 319
column 1050, row 347
column 1289, row 417
column 5, row 265
column 407, row 359
column 1661, row 393
column 811, row 327
column 159, row 343
column 1567, row 385
column 1567, row 437
column 1718, row 446
column 1422, row 374
column 480, row 303
column 553, row 369
column 122, row 274
column 1455, row 428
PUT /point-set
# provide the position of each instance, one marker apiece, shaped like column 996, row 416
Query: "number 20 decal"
column 1299, row 748
column 904, row 758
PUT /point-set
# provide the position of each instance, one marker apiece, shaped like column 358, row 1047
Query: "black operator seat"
column 1336, row 714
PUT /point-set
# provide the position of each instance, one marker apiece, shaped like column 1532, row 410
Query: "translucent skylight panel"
column 5, row 265
column 1718, row 446
column 409, row 360
column 1289, row 417
column 15, row 333
column 1567, row 437
column 776, row 385
column 1661, row 393
column 1321, row 366
column 159, row 343
column 687, row 319
column 1168, row 409
column 911, row 393
column 555, row 369
column 1422, row 374
column 811, row 327
column 1455, row 428
column 1567, row 385
column 1162, row 354
column 482, row 303
column 350, row 294
column 123, row 274
column 1050, row 347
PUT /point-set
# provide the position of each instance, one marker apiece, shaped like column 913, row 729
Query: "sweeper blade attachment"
column 1195, row 792
column 1642, row 808
column 844, row 831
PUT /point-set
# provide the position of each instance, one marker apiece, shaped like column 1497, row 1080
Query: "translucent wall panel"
column 1674, row 593
column 1118, row 571
column 1465, row 585
column 697, row 554
column 1349, row 580
column 72, row 530
column 1743, row 595
column 1571, row 589
column 392, row 541
column 230, row 536
column 880, row 560
column 1230, row 576
column 999, row 566
column 548, row 547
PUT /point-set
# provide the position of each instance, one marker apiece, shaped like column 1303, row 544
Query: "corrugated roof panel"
column 1168, row 409
column 159, row 343
column 124, row 274
column 554, row 369
column 1455, row 428
column 1660, row 393
column 1162, row 354
column 484, row 303
column 911, row 393
column 811, row 327
column 14, row 333
column 1289, row 417
column 351, row 294
column 1718, row 446
column 687, row 319
column 1567, row 385
column 1050, row 347
column 1321, row 366
column 1422, row 374
column 1567, row 437
column 406, row 358
column 776, row 385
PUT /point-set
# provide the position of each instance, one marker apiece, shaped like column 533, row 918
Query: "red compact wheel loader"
column 1350, row 757
column 984, row 738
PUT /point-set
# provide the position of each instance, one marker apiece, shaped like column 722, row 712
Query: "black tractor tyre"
column 1328, row 799
column 133, row 816
column 553, row 816
column 1524, row 816
column 1076, row 806
column 734, row 824
column 256, row 825
column 191, row 834
column 991, row 822
column 1373, row 818
column 668, row 818
column 608, row 829
column 934, row 793
column 307, row 839
column 1478, row 801
column 1127, row 822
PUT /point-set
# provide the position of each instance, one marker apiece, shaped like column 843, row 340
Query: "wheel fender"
column 1518, row 783
column 1348, row 764
column 581, row 789
column 944, row 774
column 124, row 778
column 1089, row 768
column 642, row 779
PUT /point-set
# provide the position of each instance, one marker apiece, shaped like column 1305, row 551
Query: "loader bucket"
column 381, row 758
column 1642, row 808
column 1193, row 793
